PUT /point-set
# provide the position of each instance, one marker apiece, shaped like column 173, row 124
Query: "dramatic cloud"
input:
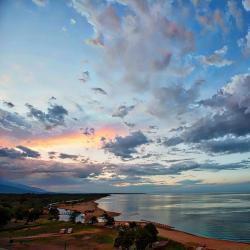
column 122, row 111
column 216, row 59
column 38, row 169
column 13, row 124
column 54, row 117
column 99, row 91
column 143, row 39
column 19, row 152
column 231, row 116
column 173, row 100
column 227, row 145
column 125, row 147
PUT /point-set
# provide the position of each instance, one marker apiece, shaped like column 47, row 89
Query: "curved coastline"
column 186, row 238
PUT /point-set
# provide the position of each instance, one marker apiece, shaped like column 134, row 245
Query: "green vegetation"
column 43, row 227
column 30, row 207
column 5, row 215
column 104, row 239
column 53, row 213
column 136, row 235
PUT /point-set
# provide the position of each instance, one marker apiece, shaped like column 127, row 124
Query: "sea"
column 220, row 216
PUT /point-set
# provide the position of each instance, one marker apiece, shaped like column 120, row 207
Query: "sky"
column 125, row 95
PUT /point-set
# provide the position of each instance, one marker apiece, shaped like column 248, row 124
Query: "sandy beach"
column 90, row 208
column 166, row 232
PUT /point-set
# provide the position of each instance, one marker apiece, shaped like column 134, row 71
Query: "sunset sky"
column 125, row 95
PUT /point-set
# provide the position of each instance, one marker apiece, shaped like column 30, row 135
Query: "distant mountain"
column 13, row 187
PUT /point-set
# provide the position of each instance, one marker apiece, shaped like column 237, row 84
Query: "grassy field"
column 46, row 233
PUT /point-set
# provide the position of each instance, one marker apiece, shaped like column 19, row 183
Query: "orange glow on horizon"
column 74, row 138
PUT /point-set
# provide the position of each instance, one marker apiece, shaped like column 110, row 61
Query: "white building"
column 80, row 218
column 65, row 215
column 101, row 219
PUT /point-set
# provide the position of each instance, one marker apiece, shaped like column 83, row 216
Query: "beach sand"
column 166, row 232
column 90, row 208
column 209, row 243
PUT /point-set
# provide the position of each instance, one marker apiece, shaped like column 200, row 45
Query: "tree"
column 142, row 239
column 21, row 213
column 93, row 220
column 33, row 214
column 132, row 224
column 5, row 215
column 110, row 221
column 125, row 238
column 150, row 227
column 53, row 213
column 74, row 215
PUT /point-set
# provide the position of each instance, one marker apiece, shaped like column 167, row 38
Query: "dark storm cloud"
column 230, row 116
column 177, row 168
column 99, row 91
column 124, row 147
column 20, row 168
column 23, row 152
column 122, row 111
column 13, row 124
column 227, row 145
column 55, row 115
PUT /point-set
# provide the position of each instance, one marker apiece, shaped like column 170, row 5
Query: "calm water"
column 221, row 216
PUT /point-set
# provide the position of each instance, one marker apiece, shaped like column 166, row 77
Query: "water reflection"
column 222, row 216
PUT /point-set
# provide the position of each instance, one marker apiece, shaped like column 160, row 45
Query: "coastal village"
column 82, row 224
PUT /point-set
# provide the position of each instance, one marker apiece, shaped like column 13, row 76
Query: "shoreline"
column 190, row 239
column 164, row 230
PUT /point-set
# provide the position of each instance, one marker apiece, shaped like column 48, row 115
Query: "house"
column 65, row 215
column 80, row 218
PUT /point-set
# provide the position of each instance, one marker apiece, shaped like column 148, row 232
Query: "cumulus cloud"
column 173, row 100
column 226, row 145
column 216, row 59
column 122, row 111
column 230, row 109
column 246, row 4
column 125, row 147
column 142, row 39
column 55, row 115
column 13, row 124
